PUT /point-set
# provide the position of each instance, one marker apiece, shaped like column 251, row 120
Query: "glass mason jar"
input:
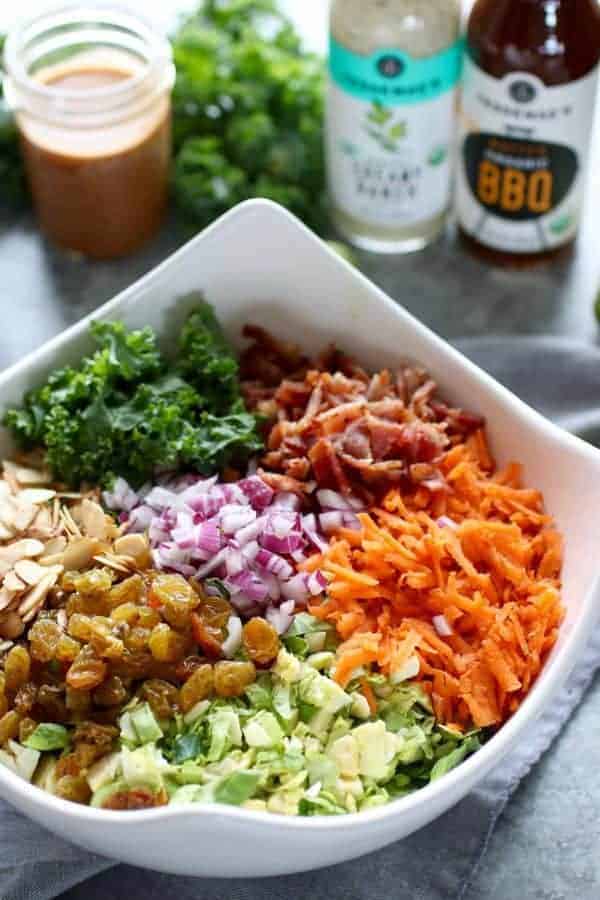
column 394, row 71
column 90, row 87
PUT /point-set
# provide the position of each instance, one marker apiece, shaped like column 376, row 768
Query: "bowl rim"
column 468, row 772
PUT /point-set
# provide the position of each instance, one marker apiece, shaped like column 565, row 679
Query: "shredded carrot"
column 367, row 692
column 485, row 557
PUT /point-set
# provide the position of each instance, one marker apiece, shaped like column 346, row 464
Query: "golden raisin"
column 94, row 581
column 80, row 626
column 100, row 736
column 86, row 672
column 260, row 641
column 74, row 788
column 131, row 590
column 43, row 637
column 199, row 686
column 77, row 701
column 209, row 639
column 136, row 798
column 25, row 698
column 126, row 612
column 111, row 693
column 133, row 665
column 3, row 704
column 175, row 598
column 162, row 697
column 188, row 666
column 148, row 617
column 67, row 648
column 215, row 612
column 17, row 667
column 232, row 678
column 67, row 765
column 166, row 645
column 26, row 729
column 137, row 639
column 9, row 726
column 86, row 754
column 52, row 700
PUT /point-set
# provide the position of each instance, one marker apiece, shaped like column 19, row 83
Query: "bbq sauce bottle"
column 527, row 109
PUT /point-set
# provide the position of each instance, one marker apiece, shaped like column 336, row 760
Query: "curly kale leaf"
column 126, row 410
column 248, row 113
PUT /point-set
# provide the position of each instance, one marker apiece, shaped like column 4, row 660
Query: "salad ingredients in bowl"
column 281, row 583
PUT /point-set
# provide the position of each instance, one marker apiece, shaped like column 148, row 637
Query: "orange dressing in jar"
column 96, row 132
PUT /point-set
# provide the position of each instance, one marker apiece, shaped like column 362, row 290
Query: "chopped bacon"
column 350, row 431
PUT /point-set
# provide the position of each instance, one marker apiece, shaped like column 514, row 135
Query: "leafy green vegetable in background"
column 126, row 410
column 12, row 176
column 248, row 111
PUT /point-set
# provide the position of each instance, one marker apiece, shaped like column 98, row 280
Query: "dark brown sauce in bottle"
column 558, row 41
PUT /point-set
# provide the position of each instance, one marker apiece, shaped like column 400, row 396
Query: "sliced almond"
column 134, row 545
column 68, row 521
column 7, row 512
column 43, row 523
column 55, row 545
column 13, row 583
column 24, row 514
column 61, row 619
column 25, row 475
column 37, row 496
column 6, row 598
column 118, row 563
column 79, row 553
column 6, row 533
column 29, row 571
column 53, row 559
column 34, row 598
column 94, row 521
column 4, row 646
column 27, row 547
column 4, row 488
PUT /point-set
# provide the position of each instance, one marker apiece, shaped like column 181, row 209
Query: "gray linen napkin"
column 439, row 862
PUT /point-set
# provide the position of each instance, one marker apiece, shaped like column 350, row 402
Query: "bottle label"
column 524, row 150
column 389, row 133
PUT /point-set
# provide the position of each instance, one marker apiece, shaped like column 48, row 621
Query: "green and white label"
column 389, row 133
column 394, row 78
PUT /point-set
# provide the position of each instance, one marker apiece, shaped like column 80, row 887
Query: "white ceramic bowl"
column 259, row 264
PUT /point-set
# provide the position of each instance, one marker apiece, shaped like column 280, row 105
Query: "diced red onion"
column 286, row 500
column 274, row 564
column 248, row 583
column 331, row 521
column 351, row 521
column 233, row 518
column 159, row 498
column 316, row 583
column 329, row 500
column 122, row 497
column 250, row 532
column 213, row 564
column 240, row 532
column 296, row 589
column 257, row 491
column 447, row 522
column 140, row 519
column 250, row 550
column 442, row 626
column 234, row 562
column 281, row 617
column 208, row 537
column 233, row 641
